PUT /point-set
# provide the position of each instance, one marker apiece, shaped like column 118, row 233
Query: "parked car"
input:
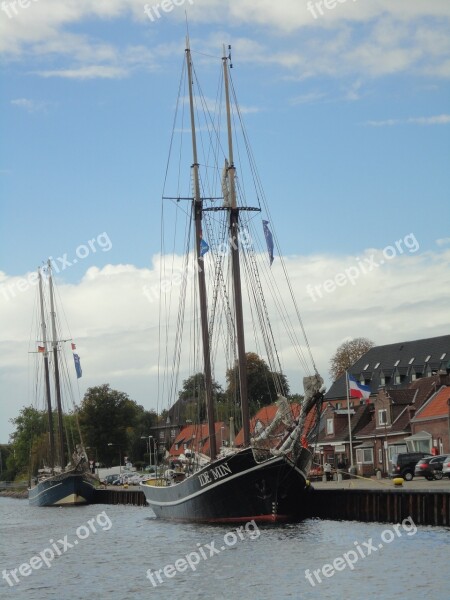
column 430, row 468
column 404, row 464
column 446, row 466
column 111, row 479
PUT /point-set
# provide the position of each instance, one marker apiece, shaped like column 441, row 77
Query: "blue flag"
column 269, row 240
column 76, row 359
column 203, row 247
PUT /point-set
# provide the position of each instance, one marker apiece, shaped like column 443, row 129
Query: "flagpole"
column 349, row 425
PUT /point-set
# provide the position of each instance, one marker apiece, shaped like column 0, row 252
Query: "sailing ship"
column 57, row 484
column 265, row 478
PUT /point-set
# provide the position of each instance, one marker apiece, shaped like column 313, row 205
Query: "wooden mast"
column 56, row 363
column 198, row 213
column 47, row 375
column 236, row 268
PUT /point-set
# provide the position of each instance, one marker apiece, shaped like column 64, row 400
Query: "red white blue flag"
column 356, row 389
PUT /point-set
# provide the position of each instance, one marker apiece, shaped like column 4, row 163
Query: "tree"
column 347, row 354
column 106, row 417
column 31, row 432
column 191, row 403
column 260, row 383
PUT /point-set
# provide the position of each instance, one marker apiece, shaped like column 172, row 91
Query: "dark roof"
column 357, row 421
column 381, row 359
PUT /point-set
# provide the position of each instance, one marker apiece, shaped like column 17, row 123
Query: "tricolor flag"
column 41, row 348
column 269, row 240
column 76, row 359
column 356, row 389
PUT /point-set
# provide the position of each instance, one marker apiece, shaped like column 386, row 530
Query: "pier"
column 361, row 500
column 385, row 506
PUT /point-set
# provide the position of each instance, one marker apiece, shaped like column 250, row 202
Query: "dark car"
column 404, row 464
column 430, row 468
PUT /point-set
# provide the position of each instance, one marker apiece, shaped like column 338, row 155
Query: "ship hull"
column 236, row 489
column 66, row 489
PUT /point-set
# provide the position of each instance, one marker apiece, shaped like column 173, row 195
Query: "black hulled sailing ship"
column 57, row 484
column 265, row 479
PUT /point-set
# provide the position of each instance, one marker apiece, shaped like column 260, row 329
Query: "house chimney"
column 443, row 378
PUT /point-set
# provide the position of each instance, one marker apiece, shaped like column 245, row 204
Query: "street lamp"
column 221, row 436
column 120, row 456
column 155, row 450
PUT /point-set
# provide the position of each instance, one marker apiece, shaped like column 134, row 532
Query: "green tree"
column 191, row 403
column 31, row 427
column 347, row 354
column 106, row 417
column 260, row 383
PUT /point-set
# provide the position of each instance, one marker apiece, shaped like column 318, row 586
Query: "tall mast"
column 47, row 374
column 198, row 213
column 55, row 361
column 236, row 268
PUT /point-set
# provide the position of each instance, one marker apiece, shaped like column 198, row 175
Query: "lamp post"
column 120, row 456
column 221, row 436
column 155, row 452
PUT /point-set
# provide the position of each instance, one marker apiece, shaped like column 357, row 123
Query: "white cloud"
column 443, row 241
column 115, row 326
column 435, row 120
column 90, row 72
column 401, row 36
column 30, row 106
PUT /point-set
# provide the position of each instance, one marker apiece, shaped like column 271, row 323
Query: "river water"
column 123, row 552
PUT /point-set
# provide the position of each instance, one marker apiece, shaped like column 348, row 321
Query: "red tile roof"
column 265, row 415
column 436, row 407
column 196, row 438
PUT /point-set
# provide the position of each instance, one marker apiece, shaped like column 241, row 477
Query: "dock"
column 383, row 506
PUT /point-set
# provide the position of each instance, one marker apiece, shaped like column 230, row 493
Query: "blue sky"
column 349, row 119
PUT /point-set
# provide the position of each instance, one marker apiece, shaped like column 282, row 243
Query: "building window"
column 382, row 379
column 173, row 433
column 176, row 446
column 382, row 416
column 377, row 365
column 397, row 379
column 364, row 456
column 330, row 426
column 161, row 435
column 338, row 405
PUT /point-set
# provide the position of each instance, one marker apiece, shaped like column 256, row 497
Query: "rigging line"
column 259, row 186
column 280, row 305
column 182, row 78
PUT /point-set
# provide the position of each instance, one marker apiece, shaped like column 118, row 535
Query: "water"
column 122, row 542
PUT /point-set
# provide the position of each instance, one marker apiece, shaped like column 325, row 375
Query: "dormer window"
column 411, row 361
column 443, row 356
column 396, row 363
column 428, row 358
column 377, row 365
column 382, row 416
column 330, row 426
column 366, row 367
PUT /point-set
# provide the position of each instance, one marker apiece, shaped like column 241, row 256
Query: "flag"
column 269, row 240
column 76, row 359
column 203, row 247
column 74, row 347
column 356, row 389
column 41, row 348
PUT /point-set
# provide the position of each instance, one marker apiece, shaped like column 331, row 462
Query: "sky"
column 347, row 108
